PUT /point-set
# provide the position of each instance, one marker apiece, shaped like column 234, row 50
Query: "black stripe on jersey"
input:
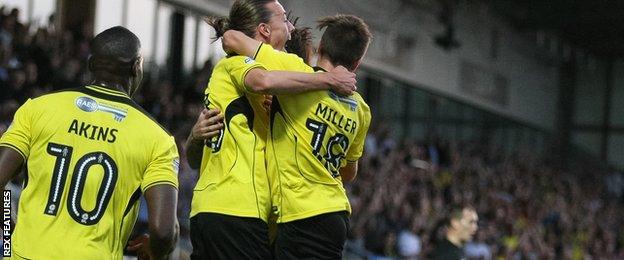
column 240, row 106
column 133, row 199
column 120, row 99
column 108, row 91
column 275, row 108
column 25, row 175
column 257, row 51
column 16, row 149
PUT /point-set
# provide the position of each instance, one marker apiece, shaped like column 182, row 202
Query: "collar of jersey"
column 319, row 69
column 107, row 91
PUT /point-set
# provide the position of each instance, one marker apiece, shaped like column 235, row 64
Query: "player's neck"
column 454, row 239
column 111, row 85
column 326, row 64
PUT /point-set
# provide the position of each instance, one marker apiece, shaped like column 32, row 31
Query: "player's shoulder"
column 150, row 122
column 361, row 104
column 361, row 100
column 50, row 99
column 233, row 64
column 355, row 99
column 55, row 95
column 235, row 60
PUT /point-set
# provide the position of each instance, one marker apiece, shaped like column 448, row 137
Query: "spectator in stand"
column 460, row 227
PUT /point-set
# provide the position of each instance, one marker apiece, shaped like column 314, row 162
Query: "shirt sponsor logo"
column 353, row 104
column 249, row 60
column 88, row 104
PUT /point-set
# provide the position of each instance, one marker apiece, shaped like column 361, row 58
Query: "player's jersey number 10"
column 63, row 154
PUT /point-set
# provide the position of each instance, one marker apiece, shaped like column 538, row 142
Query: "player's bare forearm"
column 10, row 164
column 238, row 42
column 162, row 203
column 288, row 82
column 162, row 249
column 194, row 150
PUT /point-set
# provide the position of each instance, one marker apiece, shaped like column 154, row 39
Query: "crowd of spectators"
column 528, row 208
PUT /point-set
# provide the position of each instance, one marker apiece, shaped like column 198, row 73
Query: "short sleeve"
column 279, row 60
column 18, row 135
column 164, row 165
column 238, row 69
column 357, row 147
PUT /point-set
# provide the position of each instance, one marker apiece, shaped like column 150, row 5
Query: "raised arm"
column 238, row 42
column 339, row 79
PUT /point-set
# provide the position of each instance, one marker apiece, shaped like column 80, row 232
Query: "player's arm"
column 349, row 171
column 162, row 203
column 207, row 126
column 10, row 164
column 274, row 82
column 15, row 143
column 262, row 81
column 238, row 42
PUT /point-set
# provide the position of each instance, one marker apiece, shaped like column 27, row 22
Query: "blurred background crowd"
column 529, row 207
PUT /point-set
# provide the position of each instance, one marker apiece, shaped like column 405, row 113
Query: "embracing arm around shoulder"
column 286, row 82
column 238, row 42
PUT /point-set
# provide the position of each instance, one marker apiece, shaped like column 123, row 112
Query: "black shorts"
column 217, row 236
column 318, row 237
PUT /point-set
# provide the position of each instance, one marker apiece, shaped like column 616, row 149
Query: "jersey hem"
column 228, row 212
column 159, row 183
column 307, row 214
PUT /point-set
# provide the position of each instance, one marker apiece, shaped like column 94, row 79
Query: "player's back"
column 90, row 153
column 322, row 131
column 233, row 161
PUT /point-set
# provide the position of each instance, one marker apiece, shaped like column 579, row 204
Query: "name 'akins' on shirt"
column 93, row 132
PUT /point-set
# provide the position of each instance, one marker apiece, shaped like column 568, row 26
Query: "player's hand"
column 208, row 125
column 141, row 246
column 342, row 81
